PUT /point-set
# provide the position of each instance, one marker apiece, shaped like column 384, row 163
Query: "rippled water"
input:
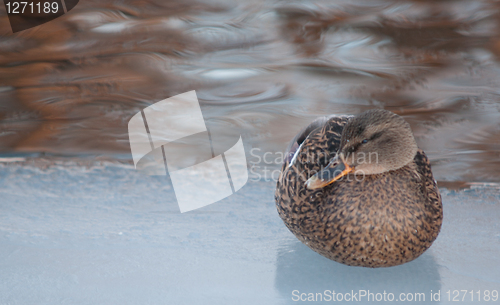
column 262, row 69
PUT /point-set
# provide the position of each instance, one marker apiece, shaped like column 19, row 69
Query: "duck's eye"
column 364, row 141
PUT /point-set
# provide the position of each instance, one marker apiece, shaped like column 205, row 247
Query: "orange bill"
column 335, row 170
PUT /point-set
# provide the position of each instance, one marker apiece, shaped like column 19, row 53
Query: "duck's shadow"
column 300, row 270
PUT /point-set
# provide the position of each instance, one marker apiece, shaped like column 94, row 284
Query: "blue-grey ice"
column 74, row 234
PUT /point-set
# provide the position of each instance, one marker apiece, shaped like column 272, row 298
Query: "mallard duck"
column 358, row 190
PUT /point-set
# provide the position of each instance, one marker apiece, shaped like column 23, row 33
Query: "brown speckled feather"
column 381, row 220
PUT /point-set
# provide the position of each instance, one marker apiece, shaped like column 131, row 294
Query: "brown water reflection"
column 262, row 69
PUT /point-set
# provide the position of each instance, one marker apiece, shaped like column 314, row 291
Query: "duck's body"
column 379, row 219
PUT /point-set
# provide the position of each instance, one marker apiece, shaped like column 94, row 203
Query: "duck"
column 359, row 191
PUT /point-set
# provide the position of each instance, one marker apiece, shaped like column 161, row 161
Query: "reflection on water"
column 263, row 69
column 298, row 268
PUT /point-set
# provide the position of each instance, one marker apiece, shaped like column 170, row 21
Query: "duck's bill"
column 335, row 170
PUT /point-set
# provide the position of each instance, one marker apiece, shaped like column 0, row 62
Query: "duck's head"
column 373, row 142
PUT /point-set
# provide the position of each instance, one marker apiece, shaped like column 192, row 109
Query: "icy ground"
column 109, row 235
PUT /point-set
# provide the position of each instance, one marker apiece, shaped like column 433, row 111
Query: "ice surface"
column 109, row 235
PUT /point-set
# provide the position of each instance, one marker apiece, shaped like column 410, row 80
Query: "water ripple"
column 263, row 70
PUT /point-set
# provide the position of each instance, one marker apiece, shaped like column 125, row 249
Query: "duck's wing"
column 294, row 145
column 429, row 187
column 335, row 125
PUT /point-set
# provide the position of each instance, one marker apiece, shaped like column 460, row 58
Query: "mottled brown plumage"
column 386, row 217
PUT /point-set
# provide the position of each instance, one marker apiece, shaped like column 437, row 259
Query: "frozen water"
column 107, row 234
